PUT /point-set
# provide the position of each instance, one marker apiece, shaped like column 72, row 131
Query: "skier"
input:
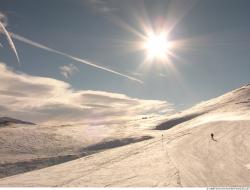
column 212, row 136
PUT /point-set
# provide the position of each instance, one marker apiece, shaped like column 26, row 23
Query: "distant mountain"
column 8, row 121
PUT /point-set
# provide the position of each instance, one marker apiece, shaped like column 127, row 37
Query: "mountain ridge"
column 9, row 120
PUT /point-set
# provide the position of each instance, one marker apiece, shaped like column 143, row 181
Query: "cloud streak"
column 9, row 40
column 51, row 101
column 38, row 45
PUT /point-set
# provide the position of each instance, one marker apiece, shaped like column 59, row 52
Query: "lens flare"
column 157, row 46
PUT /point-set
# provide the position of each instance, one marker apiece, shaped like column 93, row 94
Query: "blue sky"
column 214, row 60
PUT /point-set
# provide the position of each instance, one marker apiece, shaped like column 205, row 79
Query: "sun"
column 157, row 46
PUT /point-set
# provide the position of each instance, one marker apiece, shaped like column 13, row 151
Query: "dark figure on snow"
column 212, row 136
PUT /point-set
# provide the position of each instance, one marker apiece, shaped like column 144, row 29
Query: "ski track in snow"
column 112, row 161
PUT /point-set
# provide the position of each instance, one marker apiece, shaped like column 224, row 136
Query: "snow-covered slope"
column 234, row 105
column 25, row 148
column 184, row 156
column 224, row 161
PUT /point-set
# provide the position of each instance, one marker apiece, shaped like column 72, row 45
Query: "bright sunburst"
column 157, row 46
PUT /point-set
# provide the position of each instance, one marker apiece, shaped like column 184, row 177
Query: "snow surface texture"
column 185, row 155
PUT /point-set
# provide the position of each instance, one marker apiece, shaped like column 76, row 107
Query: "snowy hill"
column 185, row 155
column 231, row 106
column 24, row 148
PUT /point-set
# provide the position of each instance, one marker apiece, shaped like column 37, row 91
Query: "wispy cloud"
column 101, row 6
column 3, row 23
column 163, row 75
column 38, row 45
column 68, row 70
column 48, row 100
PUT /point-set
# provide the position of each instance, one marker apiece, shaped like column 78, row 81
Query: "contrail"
column 10, row 41
column 35, row 44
